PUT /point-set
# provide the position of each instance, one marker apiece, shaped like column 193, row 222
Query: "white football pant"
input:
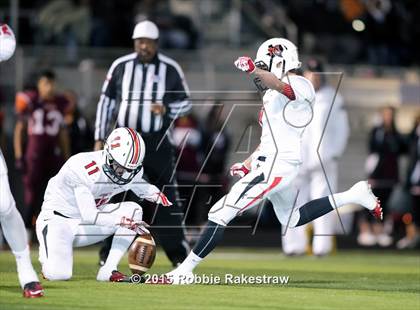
column 274, row 182
column 14, row 229
column 57, row 235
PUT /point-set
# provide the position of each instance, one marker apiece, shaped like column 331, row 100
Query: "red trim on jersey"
column 93, row 163
column 288, row 92
column 93, row 171
column 136, row 152
column 274, row 184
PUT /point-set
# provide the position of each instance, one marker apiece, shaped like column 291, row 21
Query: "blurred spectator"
column 380, row 30
column 176, row 31
column 111, row 23
column 204, row 149
column 385, row 147
column 101, row 23
column 187, row 139
column 41, row 114
column 412, row 219
column 80, row 132
column 216, row 145
column 64, row 22
column 318, row 179
column 268, row 17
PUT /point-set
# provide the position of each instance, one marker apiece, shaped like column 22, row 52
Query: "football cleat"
column 33, row 290
column 364, row 196
column 377, row 211
column 117, row 276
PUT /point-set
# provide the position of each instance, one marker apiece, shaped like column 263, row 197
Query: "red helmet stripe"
column 136, row 143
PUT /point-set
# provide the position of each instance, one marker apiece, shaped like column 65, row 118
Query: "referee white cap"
column 146, row 29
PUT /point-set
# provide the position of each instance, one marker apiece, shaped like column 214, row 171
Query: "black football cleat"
column 33, row 290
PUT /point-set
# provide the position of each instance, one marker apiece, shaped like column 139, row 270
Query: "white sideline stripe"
column 137, row 267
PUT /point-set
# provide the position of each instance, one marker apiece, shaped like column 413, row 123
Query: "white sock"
column 189, row 263
column 26, row 272
column 14, row 230
column 120, row 243
column 15, row 234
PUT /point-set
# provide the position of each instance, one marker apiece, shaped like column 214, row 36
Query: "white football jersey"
column 3, row 167
column 85, row 169
column 283, row 121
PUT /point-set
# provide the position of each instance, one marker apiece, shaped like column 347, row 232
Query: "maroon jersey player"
column 41, row 140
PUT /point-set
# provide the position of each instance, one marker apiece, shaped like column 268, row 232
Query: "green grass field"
column 347, row 280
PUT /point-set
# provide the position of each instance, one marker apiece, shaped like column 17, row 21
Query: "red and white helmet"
column 7, row 42
column 124, row 152
column 278, row 56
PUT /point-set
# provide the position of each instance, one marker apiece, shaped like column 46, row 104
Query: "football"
column 7, row 42
column 141, row 254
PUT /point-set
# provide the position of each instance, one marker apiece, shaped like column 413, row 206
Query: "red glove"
column 159, row 198
column 245, row 64
column 163, row 200
column 239, row 169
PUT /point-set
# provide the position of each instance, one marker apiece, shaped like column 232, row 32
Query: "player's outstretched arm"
column 269, row 79
column 91, row 215
column 246, row 64
column 88, row 211
column 145, row 190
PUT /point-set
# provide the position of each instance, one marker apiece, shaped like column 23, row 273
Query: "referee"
column 147, row 91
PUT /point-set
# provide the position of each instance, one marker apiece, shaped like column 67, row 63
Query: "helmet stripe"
column 136, row 143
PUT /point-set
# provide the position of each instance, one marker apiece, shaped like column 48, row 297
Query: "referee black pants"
column 166, row 222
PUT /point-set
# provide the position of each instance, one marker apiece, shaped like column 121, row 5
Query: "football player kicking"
column 270, row 171
column 76, row 212
column 15, row 234
column 10, row 219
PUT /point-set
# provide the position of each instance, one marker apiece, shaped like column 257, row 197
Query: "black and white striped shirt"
column 131, row 87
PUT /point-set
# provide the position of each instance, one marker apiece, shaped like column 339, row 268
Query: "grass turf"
column 347, row 280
